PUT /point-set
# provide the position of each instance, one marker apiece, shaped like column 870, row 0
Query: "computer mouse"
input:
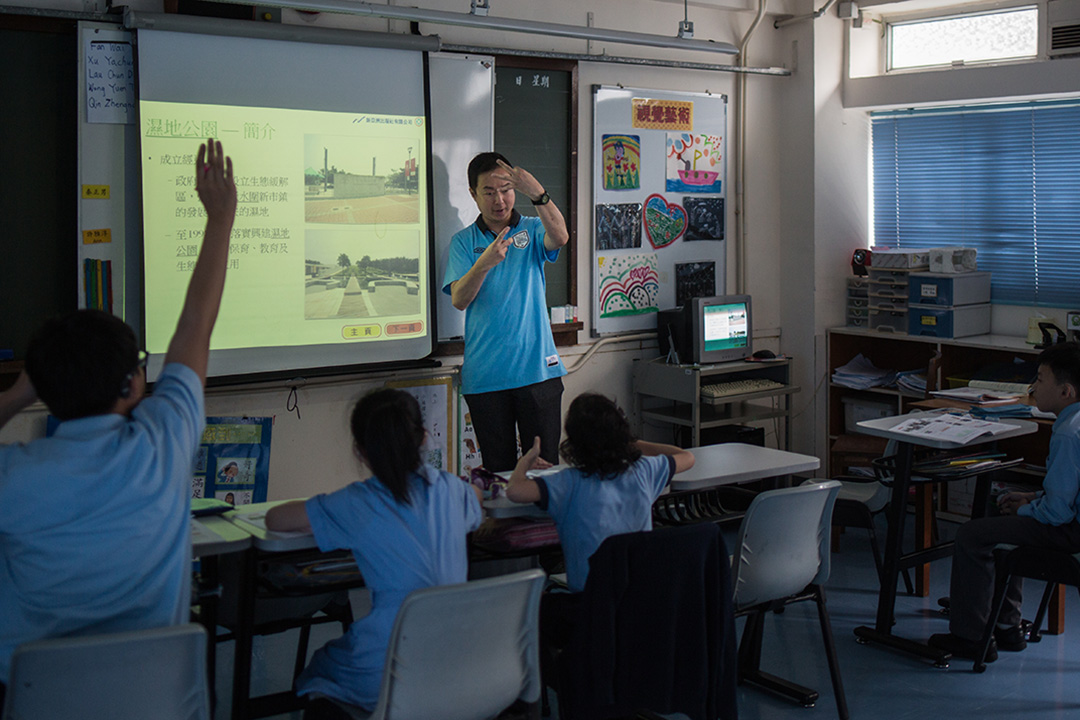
column 764, row 355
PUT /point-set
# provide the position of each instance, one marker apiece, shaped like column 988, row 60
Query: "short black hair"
column 482, row 163
column 388, row 429
column 598, row 438
column 1063, row 360
column 81, row 363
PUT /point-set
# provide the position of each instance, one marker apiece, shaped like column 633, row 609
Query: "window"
column 1004, row 35
column 1001, row 179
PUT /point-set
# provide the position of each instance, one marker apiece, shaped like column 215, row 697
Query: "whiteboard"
column 462, row 89
column 659, row 214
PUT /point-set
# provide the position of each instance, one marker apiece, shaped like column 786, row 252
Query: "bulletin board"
column 659, row 203
column 434, row 396
column 233, row 460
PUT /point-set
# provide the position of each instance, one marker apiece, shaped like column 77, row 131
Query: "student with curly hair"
column 610, row 488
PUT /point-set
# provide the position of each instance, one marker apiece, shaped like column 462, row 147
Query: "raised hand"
column 522, row 180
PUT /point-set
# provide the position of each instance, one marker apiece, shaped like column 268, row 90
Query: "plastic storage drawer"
column 949, row 290
column 894, row 321
column 948, row 322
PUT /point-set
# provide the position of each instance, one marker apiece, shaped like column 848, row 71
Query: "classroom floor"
column 1041, row 683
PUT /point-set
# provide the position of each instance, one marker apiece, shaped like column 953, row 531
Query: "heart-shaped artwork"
column 664, row 222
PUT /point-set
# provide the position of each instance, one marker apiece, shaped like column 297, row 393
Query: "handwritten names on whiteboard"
column 110, row 82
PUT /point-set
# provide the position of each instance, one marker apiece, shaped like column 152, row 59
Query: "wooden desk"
column 714, row 465
column 894, row 559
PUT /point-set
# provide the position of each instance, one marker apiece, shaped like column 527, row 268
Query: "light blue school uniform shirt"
column 94, row 521
column 398, row 548
column 1060, row 501
column 508, row 341
column 587, row 510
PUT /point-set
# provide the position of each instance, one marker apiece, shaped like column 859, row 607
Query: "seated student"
column 406, row 527
column 609, row 490
column 1047, row 519
column 94, row 521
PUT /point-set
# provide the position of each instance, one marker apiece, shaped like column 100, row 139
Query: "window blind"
column 1004, row 179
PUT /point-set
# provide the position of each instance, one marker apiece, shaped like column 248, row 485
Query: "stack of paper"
column 978, row 395
column 912, row 380
column 860, row 374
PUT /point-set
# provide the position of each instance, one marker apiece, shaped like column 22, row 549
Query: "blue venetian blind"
column 1003, row 179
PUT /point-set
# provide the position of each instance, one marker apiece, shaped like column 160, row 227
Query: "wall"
column 310, row 453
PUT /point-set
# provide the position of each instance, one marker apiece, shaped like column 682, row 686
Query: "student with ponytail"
column 406, row 526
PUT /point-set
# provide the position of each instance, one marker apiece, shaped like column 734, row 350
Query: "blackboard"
column 39, row 163
column 533, row 129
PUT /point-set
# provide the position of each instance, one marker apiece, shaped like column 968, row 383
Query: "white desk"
column 895, row 560
column 268, row 540
column 714, row 465
column 215, row 535
column 734, row 463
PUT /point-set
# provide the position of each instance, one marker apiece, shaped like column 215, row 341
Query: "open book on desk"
column 950, row 427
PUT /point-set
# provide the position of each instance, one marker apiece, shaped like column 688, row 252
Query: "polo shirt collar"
column 89, row 426
column 515, row 218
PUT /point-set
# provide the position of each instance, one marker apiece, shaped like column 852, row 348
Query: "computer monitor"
column 721, row 328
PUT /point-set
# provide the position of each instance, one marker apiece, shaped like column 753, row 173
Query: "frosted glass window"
column 985, row 37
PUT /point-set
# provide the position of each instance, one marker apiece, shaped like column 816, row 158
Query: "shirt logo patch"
column 521, row 240
column 552, row 360
column 479, row 250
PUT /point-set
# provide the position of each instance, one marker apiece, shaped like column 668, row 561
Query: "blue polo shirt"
column 1060, row 501
column 508, row 341
column 95, row 521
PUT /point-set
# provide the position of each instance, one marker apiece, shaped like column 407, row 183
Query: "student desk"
column 212, row 536
column 894, row 559
column 714, row 465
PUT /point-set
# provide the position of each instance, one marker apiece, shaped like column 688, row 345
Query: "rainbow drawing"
column 629, row 285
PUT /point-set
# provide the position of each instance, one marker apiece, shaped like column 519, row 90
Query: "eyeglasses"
column 141, row 364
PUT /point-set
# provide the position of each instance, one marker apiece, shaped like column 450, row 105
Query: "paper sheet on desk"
column 202, row 534
column 950, row 427
column 257, row 519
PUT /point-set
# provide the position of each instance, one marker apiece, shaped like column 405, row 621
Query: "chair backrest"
column 157, row 673
column 459, row 652
column 783, row 543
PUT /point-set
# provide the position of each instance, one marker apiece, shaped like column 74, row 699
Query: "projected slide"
column 330, row 240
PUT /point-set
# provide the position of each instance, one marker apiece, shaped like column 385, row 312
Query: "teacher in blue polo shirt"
column 512, row 375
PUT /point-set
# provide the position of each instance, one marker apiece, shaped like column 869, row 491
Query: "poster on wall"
column 232, row 463
column 692, row 160
column 618, row 227
column 697, row 279
column 468, row 448
column 628, row 285
column 704, row 218
column 433, row 395
column 622, row 162
column 665, row 222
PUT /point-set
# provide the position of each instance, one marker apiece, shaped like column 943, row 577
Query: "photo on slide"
column 361, row 180
column 360, row 273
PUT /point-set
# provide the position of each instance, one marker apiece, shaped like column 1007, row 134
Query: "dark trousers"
column 535, row 410
column 971, row 589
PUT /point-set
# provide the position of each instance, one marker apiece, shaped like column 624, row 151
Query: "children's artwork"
column 433, row 394
column 628, row 285
column 705, row 218
column 233, row 461
column 622, row 162
column 696, row 279
column 618, row 227
column 664, row 222
column 694, row 162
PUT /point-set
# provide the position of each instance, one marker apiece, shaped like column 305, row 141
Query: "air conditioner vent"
column 1063, row 31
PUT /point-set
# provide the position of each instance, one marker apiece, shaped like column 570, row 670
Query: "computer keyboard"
column 738, row 387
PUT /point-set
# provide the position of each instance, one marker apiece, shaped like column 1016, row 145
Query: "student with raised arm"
column 94, row 521
column 512, row 374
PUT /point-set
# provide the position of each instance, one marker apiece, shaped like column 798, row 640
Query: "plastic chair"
column 1054, row 566
column 462, row 652
column 158, row 673
column 783, row 557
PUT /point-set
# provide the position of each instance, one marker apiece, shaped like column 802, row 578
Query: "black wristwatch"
column 542, row 200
